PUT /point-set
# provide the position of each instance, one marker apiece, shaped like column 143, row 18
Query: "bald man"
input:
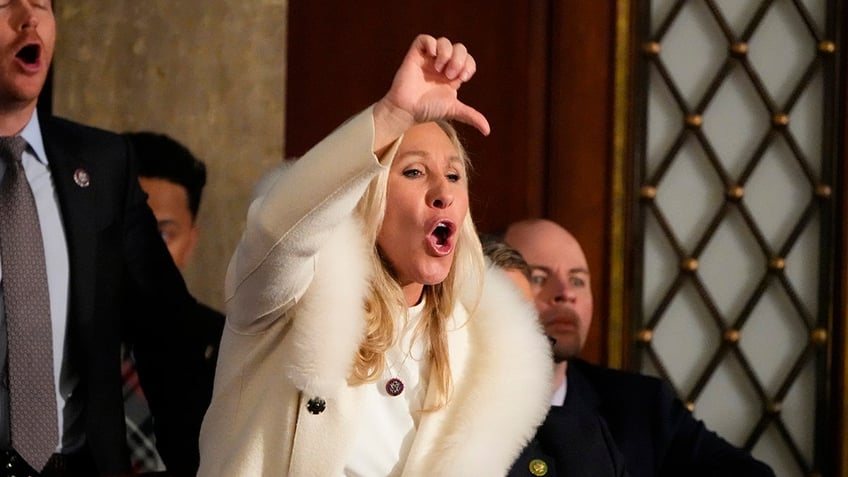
column 605, row 422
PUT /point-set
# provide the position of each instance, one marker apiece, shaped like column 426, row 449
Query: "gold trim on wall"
column 621, row 122
column 841, row 312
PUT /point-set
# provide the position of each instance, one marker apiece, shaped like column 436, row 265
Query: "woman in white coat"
column 365, row 335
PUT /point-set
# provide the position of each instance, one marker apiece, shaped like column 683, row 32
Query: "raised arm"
column 286, row 226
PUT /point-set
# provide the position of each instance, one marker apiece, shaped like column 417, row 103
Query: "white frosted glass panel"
column 665, row 121
column 817, row 10
column 781, row 50
column 659, row 10
column 773, row 338
column 686, row 338
column 693, row 51
column 735, row 122
column 772, row 449
column 798, row 412
column 689, row 194
column 802, row 265
column 737, row 14
column 777, row 193
column 649, row 368
column 806, row 123
column 660, row 266
column 729, row 405
column 731, row 266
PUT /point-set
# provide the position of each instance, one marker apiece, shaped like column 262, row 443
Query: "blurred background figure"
column 605, row 422
column 173, row 179
column 513, row 264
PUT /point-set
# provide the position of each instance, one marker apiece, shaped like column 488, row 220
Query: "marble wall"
column 210, row 73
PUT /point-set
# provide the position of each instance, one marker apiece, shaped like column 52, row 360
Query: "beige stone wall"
column 210, row 73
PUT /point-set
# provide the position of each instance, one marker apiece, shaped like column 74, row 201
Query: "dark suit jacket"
column 650, row 428
column 210, row 323
column 574, row 440
column 123, row 285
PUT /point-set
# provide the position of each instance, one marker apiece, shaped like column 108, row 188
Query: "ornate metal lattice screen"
column 735, row 226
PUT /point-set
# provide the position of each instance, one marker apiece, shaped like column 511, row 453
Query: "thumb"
column 468, row 115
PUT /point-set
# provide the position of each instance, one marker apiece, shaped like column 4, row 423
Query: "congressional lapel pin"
column 538, row 467
column 82, row 178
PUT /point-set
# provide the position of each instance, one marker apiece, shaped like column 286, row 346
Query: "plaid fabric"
column 140, row 438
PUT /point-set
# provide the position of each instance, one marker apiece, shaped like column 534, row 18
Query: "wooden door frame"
column 579, row 163
column 839, row 331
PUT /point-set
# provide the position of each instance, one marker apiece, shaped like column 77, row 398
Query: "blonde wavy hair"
column 385, row 305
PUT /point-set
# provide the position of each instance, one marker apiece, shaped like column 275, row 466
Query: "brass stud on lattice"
column 693, row 121
column 827, row 46
column 689, row 264
column 648, row 192
column 645, row 336
column 735, row 193
column 780, row 120
column 651, row 48
column 777, row 264
column 731, row 336
column 739, row 49
column 823, row 191
column 690, row 405
column 818, row 336
column 774, row 407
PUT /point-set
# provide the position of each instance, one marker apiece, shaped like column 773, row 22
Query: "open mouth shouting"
column 29, row 57
column 441, row 237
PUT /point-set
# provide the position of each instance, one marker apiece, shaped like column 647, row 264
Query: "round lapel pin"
column 82, row 178
column 538, row 467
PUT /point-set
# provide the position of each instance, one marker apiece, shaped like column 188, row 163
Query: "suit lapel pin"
column 82, row 178
column 538, row 467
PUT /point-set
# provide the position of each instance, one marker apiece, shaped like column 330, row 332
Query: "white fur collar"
column 502, row 397
column 326, row 337
column 495, row 406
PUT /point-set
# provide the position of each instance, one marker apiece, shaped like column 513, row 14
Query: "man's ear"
column 193, row 237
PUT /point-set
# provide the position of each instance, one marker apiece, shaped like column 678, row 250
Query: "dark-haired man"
column 173, row 179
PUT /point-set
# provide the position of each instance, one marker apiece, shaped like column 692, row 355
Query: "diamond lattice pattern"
column 734, row 192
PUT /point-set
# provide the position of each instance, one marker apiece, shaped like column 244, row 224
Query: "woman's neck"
column 412, row 293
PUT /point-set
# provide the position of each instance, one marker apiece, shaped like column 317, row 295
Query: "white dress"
column 390, row 422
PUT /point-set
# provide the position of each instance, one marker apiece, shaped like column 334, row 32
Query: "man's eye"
column 538, row 280
column 166, row 234
column 577, row 282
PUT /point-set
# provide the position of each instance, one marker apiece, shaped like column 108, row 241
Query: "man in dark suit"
column 605, row 422
column 110, row 279
column 173, row 179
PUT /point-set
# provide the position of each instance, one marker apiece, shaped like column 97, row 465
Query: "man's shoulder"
column 612, row 383
column 59, row 128
column 210, row 320
column 208, row 312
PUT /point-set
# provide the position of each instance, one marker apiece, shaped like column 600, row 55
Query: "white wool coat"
column 295, row 289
